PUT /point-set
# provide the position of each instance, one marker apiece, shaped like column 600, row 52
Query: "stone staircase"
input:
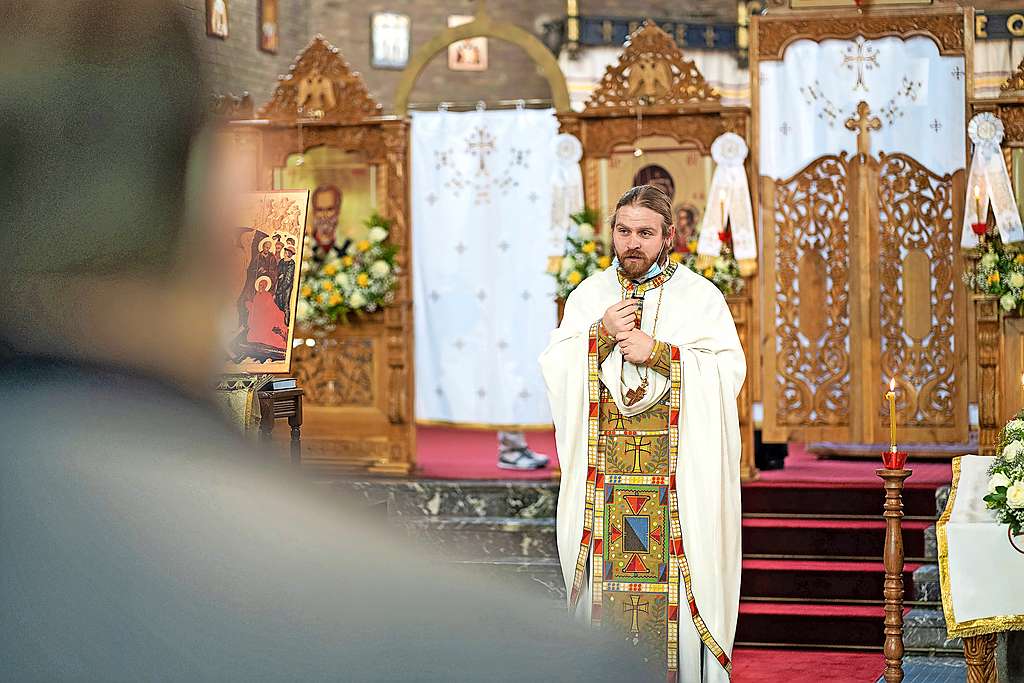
column 507, row 530
column 501, row 529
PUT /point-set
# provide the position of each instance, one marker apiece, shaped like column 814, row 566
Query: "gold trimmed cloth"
column 980, row 573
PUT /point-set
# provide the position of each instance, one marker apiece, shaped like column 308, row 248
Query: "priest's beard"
column 637, row 267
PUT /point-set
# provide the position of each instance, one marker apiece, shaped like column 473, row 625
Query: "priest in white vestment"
column 642, row 375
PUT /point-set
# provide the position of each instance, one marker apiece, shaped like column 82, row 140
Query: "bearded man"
column 642, row 376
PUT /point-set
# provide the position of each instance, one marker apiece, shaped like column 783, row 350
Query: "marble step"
column 931, row 543
column 941, row 496
column 926, row 584
column 479, row 538
column 925, row 628
column 538, row 576
column 452, row 498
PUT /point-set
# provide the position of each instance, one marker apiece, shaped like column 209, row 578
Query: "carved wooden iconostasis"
column 998, row 335
column 861, row 268
column 323, row 132
column 652, row 119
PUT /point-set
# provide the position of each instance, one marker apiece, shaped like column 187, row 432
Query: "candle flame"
column 892, row 384
column 977, row 191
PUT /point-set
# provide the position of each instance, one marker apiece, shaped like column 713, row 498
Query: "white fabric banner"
column 980, row 571
column 729, row 202
column 807, row 97
column 989, row 182
column 483, row 303
column 994, row 61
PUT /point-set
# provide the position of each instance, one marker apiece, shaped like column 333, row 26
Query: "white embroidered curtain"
column 483, row 303
column 807, row 97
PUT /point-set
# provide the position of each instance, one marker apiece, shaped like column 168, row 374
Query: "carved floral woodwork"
column 601, row 135
column 776, row 33
column 336, row 372
column 917, row 292
column 321, row 85
column 980, row 654
column 812, row 300
column 1014, row 83
column 864, row 275
column 988, row 335
column 651, row 71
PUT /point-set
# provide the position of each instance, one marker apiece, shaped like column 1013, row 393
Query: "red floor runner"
column 447, row 453
column 799, row 666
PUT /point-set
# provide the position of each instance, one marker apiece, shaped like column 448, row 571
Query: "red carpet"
column 805, row 666
column 447, row 453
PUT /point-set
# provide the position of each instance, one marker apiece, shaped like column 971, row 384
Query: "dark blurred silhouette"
column 140, row 538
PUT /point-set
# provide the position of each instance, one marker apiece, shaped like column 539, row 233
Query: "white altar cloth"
column 981, row 573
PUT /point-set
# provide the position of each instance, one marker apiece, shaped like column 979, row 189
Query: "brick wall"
column 237, row 64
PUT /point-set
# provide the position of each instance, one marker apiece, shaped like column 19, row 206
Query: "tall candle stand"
column 893, row 474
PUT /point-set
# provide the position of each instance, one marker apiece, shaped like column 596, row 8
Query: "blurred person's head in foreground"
column 100, row 106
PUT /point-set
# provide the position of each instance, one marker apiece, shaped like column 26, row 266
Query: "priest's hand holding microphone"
column 620, row 321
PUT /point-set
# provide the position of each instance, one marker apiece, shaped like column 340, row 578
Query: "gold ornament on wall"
column 651, row 71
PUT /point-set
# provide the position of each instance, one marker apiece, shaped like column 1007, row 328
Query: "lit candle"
column 891, row 395
column 977, row 204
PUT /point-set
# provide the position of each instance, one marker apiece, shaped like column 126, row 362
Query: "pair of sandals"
column 521, row 459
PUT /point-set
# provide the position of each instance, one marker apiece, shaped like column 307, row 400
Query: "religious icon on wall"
column 656, row 175
column 469, row 54
column 267, row 253
column 343, row 192
column 681, row 171
column 268, row 26
column 389, row 40
column 217, row 18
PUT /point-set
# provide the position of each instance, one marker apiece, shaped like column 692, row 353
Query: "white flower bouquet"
column 1006, row 477
column 583, row 255
column 361, row 280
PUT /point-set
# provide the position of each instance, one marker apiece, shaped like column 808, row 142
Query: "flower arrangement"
column 1006, row 477
column 999, row 272
column 723, row 270
column 583, row 255
column 360, row 278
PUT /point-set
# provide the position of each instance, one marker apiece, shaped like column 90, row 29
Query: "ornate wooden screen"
column 653, row 80
column 862, row 274
column 999, row 336
column 358, row 377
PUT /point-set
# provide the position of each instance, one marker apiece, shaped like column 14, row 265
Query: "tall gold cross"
column 635, row 607
column 863, row 123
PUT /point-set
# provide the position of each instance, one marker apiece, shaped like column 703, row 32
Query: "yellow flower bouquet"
column 583, row 255
column 360, row 280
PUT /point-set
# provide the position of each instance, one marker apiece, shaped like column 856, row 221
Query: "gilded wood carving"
column 336, row 372
column 322, row 86
column 811, row 290
column 775, row 33
column 1014, row 82
column 651, row 71
column 917, row 292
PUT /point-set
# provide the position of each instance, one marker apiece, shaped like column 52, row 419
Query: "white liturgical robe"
column 693, row 317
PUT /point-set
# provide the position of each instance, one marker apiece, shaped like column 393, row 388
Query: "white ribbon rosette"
column 729, row 203
column 989, row 181
column 566, row 190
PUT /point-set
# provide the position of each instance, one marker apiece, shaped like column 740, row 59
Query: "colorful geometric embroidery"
column 631, row 531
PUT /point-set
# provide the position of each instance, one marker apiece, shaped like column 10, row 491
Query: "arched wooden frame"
column 683, row 107
column 483, row 25
column 322, row 102
column 950, row 28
